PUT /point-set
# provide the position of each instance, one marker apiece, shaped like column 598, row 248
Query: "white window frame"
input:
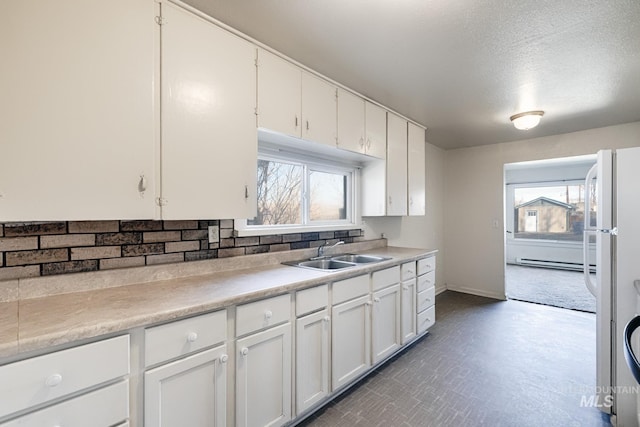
column 353, row 220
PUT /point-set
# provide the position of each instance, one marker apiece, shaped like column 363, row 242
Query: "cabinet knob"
column 268, row 314
column 376, row 299
column 369, row 303
column 244, row 351
column 53, row 380
column 326, row 319
column 192, row 337
column 224, row 358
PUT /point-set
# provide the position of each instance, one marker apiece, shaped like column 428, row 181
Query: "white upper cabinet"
column 416, row 170
column 209, row 135
column 295, row 102
column 396, row 165
column 319, row 116
column 279, row 94
column 376, row 126
column 350, row 122
column 77, row 107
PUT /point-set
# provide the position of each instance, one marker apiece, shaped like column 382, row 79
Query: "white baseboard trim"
column 477, row 292
column 440, row 289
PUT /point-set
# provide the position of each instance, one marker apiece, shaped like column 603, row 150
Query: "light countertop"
column 35, row 323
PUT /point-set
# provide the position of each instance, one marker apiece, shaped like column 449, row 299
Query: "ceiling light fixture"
column 527, row 120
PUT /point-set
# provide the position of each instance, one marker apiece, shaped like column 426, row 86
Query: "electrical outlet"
column 214, row 234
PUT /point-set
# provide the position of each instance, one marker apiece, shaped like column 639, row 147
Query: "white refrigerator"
column 616, row 231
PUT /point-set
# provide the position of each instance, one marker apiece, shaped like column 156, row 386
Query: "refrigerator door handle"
column 591, row 285
column 588, row 231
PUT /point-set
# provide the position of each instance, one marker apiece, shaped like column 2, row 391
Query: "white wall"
column 427, row 231
column 473, row 177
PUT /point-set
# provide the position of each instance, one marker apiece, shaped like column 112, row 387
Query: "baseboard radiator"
column 553, row 264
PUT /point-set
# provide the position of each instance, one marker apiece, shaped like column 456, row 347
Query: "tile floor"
column 484, row 363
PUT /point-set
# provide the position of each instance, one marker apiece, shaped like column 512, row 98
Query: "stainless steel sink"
column 323, row 264
column 337, row 262
column 359, row 259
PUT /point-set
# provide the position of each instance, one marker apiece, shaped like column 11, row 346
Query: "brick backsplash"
column 41, row 249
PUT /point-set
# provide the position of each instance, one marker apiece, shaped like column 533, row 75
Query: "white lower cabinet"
column 47, row 379
column 385, row 316
column 263, row 378
column 101, row 408
column 188, row 392
column 312, row 359
column 351, row 342
column 408, row 308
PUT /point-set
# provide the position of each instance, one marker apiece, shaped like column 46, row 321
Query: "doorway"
column 544, row 219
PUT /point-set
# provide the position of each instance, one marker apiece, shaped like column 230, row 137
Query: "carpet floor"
column 484, row 363
column 559, row 288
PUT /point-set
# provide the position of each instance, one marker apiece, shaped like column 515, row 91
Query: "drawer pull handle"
column 326, row 318
column 405, row 288
column 192, row 337
column 224, row 358
column 53, row 380
column 244, row 351
column 268, row 314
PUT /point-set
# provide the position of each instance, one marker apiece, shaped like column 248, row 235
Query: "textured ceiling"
column 462, row 67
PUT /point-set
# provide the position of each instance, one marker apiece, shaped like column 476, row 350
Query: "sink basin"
column 324, row 264
column 359, row 259
column 337, row 262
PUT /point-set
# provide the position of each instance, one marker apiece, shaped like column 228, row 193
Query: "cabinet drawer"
column 426, row 298
column 345, row 290
column 176, row 339
column 426, row 264
column 101, row 408
column 426, row 319
column 262, row 314
column 386, row 277
column 408, row 270
column 312, row 299
column 426, row 280
column 37, row 380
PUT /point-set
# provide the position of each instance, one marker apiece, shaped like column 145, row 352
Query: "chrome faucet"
column 322, row 248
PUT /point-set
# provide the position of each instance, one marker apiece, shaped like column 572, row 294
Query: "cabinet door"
column 104, row 407
column 312, row 359
column 396, row 165
column 77, row 107
column 376, row 126
column 386, row 320
column 408, row 309
column 416, row 170
column 351, row 340
column 209, row 135
column 319, row 112
column 188, row 392
column 263, row 378
column 279, row 94
column 350, row 122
